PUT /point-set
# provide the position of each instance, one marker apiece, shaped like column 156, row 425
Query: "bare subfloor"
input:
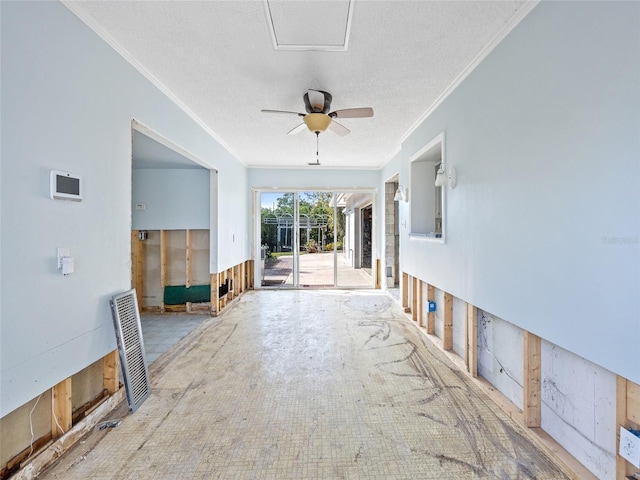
column 310, row 384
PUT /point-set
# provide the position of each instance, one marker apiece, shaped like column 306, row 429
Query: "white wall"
column 234, row 216
column 174, row 199
column 313, row 178
column 543, row 228
column 67, row 103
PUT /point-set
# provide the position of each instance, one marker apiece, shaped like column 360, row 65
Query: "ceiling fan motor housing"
column 318, row 108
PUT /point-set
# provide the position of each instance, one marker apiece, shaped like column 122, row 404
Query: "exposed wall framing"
column 628, row 394
column 230, row 284
column 59, row 417
column 627, row 416
column 168, row 263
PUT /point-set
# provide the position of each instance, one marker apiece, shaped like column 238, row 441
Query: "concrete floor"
column 309, row 384
column 316, row 270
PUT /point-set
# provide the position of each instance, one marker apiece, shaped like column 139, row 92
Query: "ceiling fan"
column 318, row 117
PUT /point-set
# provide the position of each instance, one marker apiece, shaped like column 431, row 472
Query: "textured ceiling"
column 218, row 59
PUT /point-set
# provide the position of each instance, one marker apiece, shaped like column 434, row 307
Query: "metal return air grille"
column 126, row 317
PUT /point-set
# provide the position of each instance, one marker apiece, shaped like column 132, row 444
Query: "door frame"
column 256, row 234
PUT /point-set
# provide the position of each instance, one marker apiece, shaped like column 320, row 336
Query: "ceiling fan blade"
column 353, row 113
column 297, row 129
column 282, row 111
column 338, row 129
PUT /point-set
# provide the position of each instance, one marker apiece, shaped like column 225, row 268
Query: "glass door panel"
column 315, row 229
column 277, row 239
column 316, row 239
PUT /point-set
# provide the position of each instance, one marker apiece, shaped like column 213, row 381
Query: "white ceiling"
column 224, row 61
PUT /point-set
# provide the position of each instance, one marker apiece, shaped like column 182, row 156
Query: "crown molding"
column 484, row 53
column 124, row 53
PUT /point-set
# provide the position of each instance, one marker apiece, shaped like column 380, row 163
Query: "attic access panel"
column 309, row 25
column 126, row 319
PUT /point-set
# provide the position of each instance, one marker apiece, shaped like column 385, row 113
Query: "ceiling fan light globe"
column 317, row 122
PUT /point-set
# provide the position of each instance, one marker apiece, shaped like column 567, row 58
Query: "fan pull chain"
column 318, row 148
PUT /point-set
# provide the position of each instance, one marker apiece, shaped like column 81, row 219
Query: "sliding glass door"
column 311, row 239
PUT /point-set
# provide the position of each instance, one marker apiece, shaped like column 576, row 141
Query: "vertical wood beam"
column 61, row 417
column 532, row 408
column 110, row 375
column 189, row 265
column 447, row 335
column 137, row 255
column 431, row 316
column 633, row 402
column 405, row 292
column 471, row 333
column 414, row 299
column 215, row 299
column 378, row 275
column 624, row 412
column 163, row 266
column 621, row 421
column 243, row 276
column 420, row 304
column 188, row 258
column 251, row 274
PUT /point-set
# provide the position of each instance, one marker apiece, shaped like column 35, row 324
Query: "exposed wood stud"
column 621, row 420
column 431, row 316
column 447, row 335
column 405, row 291
column 111, row 372
column 163, row 266
column 633, row 402
column 532, row 408
column 61, row 419
column 243, row 276
column 188, row 258
column 414, row 299
column 215, row 298
column 420, row 304
column 378, row 273
column 137, row 255
column 628, row 416
column 251, row 274
column 472, row 340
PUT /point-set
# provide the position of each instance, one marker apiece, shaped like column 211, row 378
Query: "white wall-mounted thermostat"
column 65, row 186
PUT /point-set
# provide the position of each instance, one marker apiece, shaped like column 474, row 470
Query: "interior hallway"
column 309, row 384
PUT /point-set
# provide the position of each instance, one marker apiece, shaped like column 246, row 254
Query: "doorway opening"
column 171, row 238
column 315, row 239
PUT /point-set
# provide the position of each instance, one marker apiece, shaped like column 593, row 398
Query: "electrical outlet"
column 630, row 447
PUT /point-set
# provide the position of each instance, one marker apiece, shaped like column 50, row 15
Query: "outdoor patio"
column 316, row 270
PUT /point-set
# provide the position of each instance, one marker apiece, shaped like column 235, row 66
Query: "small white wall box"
column 65, row 186
column 67, row 265
column 630, row 447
